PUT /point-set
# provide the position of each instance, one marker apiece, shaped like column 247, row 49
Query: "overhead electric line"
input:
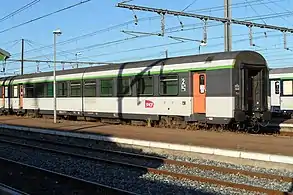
column 204, row 17
column 19, row 10
column 168, row 30
column 142, row 48
column 51, row 61
column 227, row 21
column 215, row 8
column 189, row 5
column 44, row 16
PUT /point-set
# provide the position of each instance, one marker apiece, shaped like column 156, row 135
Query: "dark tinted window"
column 277, row 87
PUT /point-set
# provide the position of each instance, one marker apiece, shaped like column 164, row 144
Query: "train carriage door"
column 275, row 95
column 199, row 93
column 20, row 96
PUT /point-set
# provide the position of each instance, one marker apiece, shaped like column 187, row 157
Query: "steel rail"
column 163, row 160
column 162, row 172
column 32, row 174
column 5, row 189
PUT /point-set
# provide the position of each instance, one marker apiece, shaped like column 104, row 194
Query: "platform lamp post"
column 56, row 33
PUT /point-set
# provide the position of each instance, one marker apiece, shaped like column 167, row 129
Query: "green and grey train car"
column 214, row 88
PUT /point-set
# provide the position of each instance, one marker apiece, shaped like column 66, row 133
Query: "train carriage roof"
column 167, row 61
column 281, row 70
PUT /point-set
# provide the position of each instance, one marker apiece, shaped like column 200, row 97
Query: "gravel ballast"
column 169, row 181
column 129, row 148
column 112, row 175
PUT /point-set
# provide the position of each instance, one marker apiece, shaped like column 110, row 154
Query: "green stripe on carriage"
column 282, row 78
column 128, row 74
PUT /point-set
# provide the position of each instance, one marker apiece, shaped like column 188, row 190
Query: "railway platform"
column 277, row 149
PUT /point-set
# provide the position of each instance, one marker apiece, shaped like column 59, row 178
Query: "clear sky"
column 102, row 43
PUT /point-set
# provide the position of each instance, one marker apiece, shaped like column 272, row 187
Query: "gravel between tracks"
column 131, row 180
column 241, row 179
column 190, row 184
column 129, row 148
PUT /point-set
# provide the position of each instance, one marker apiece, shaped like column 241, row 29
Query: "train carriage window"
column 61, row 89
column 277, row 87
column 106, row 87
column 40, row 90
column 168, row 85
column 29, row 90
column 287, row 88
column 75, row 88
column 6, row 91
column 49, row 89
column 145, row 86
column 15, row 91
column 123, row 86
column 202, row 84
column 89, row 88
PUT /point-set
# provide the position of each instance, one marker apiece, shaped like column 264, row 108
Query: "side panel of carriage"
column 212, row 96
column 275, row 95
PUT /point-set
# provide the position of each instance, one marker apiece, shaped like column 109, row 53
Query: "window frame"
column 75, row 83
column 279, row 83
column 92, row 82
column 284, row 85
column 47, row 89
column 122, row 87
column 152, row 84
column 101, row 87
column 63, row 89
column 177, row 85
column 200, row 82
column 32, row 86
column 17, row 91
column 36, row 86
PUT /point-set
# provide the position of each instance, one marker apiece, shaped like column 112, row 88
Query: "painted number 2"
column 183, row 84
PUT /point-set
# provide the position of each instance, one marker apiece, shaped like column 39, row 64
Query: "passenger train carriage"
column 281, row 93
column 216, row 88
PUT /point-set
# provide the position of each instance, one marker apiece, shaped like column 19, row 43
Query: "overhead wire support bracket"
column 162, row 24
column 181, row 23
column 38, row 67
column 132, row 33
column 135, row 18
column 129, row 33
column 199, row 16
column 285, row 40
column 251, row 36
column 182, row 39
column 205, row 32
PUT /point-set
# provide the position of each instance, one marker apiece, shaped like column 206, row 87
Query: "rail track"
column 42, row 181
column 5, row 189
column 148, row 163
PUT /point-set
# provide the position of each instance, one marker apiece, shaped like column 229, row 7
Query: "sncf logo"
column 148, row 104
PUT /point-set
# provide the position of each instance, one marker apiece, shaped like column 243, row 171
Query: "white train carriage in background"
column 281, row 93
column 217, row 88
